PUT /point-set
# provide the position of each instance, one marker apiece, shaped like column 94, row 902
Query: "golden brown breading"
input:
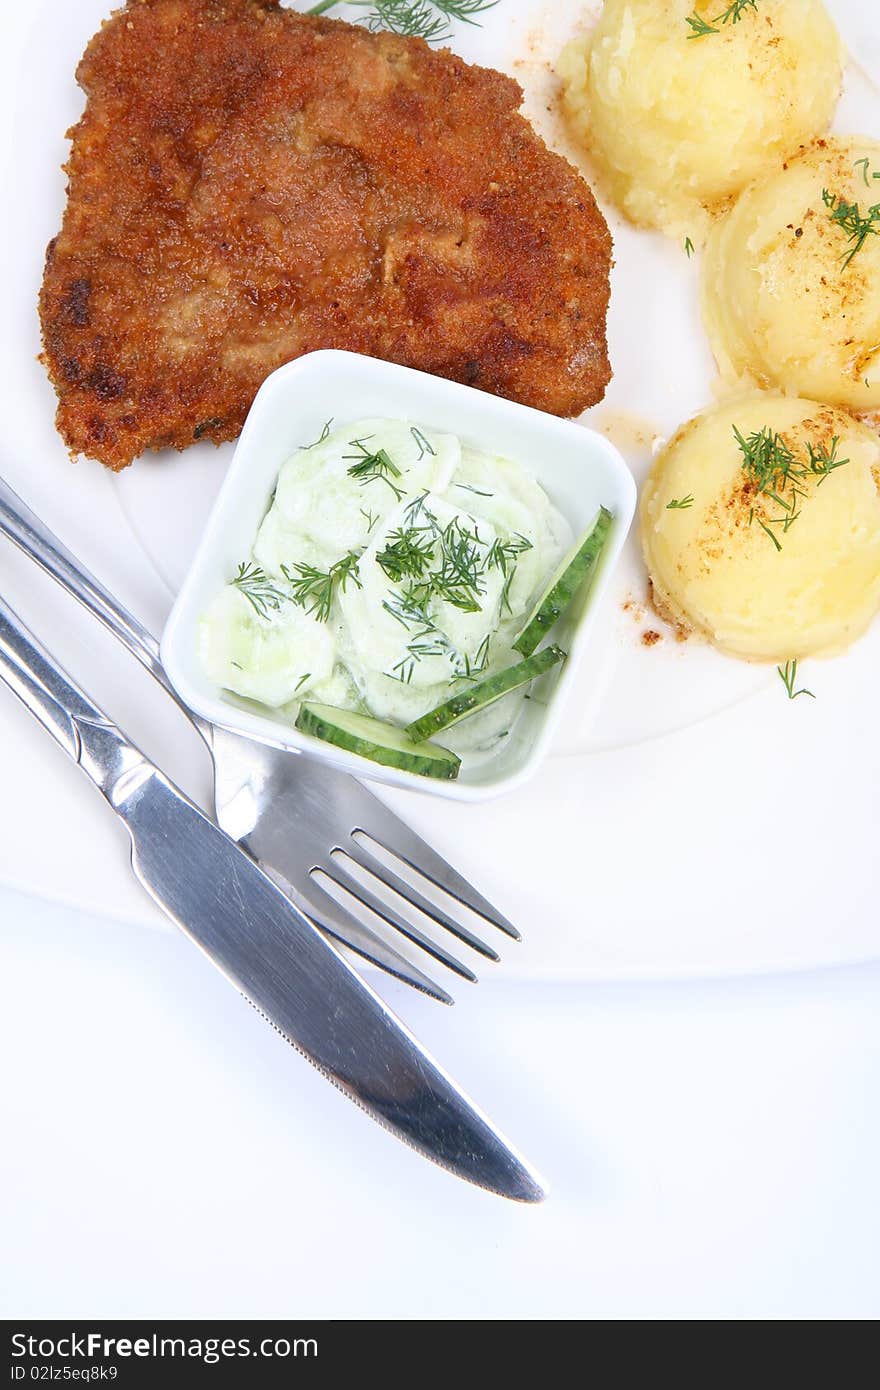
column 248, row 184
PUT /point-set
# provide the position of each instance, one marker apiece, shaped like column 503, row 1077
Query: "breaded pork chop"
column 248, row 184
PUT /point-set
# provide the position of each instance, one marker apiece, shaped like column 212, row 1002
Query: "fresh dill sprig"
column 823, row 461
column 425, row 446
column 263, row 596
column 301, row 682
column 788, row 676
column 448, row 564
column 478, row 492
column 462, row 563
column 699, row 27
column 732, row 15
column 409, row 606
column 776, row 474
column 504, row 556
column 464, row 9
column 471, row 668
column 313, row 589
column 423, row 19
column 373, row 467
column 865, row 166
column 414, row 509
column 369, row 518
column 414, row 18
column 403, row 670
column 407, row 553
column 680, row 504
column 421, row 646
column 848, row 217
column 689, row 247
column 325, row 432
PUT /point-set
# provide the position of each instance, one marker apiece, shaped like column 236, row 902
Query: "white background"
column 713, row 1149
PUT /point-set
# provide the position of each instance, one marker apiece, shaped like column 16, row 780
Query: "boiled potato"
column 782, row 305
column 679, row 124
column 775, row 593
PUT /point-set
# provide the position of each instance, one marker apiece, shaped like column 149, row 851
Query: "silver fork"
column 329, row 843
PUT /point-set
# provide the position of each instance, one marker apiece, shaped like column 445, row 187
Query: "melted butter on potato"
column 781, row 305
column 678, row 125
column 718, row 573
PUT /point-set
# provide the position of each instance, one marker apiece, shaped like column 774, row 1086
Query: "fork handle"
column 84, row 731
column 31, row 535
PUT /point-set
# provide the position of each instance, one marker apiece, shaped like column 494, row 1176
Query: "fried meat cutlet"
column 248, row 184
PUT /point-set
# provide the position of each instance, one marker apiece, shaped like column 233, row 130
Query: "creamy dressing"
column 395, row 566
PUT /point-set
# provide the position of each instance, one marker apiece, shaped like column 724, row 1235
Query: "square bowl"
column 577, row 468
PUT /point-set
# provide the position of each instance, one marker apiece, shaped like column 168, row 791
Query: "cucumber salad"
column 398, row 590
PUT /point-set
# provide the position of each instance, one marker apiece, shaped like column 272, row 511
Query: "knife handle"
column 83, row 730
column 25, row 529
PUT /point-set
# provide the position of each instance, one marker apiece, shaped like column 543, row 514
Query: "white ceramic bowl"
column 578, row 469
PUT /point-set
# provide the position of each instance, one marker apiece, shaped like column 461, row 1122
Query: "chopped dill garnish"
column 416, row 650
column 302, row 680
column 849, row 219
column 425, row 446
column 778, row 475
column 414, row 509
column 471, row 668
column 788, row 676
column 441, row 564
column 865, row 165
column 407, row 554
column 689, row 247
column 732, row 15
column 680, row 504
column 503, row 555
column 325, row 433
column 313, row 589
column 373, row 467
column 772, row 468
column 369, row 519
column 459, row 578
column 263, row 596
column 699, row 27
column 409, row 607
column 466, row 487
column 448, row 563
column 823, row 461
column 402, row 670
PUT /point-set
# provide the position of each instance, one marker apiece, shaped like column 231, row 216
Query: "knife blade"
column 252, row 779
column 260, row 941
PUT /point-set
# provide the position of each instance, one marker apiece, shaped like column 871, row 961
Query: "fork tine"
column 396, row 839
column 415, row 899
column 392, row 918
column 340, row 924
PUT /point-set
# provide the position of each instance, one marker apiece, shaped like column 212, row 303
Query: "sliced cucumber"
column 381, row 743
column 577, row 567
column 484, row 693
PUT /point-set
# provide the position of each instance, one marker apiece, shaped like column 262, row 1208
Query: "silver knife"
column 266, row 799
column 260, row 941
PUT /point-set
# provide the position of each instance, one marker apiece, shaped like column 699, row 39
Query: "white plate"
column 662, row 815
